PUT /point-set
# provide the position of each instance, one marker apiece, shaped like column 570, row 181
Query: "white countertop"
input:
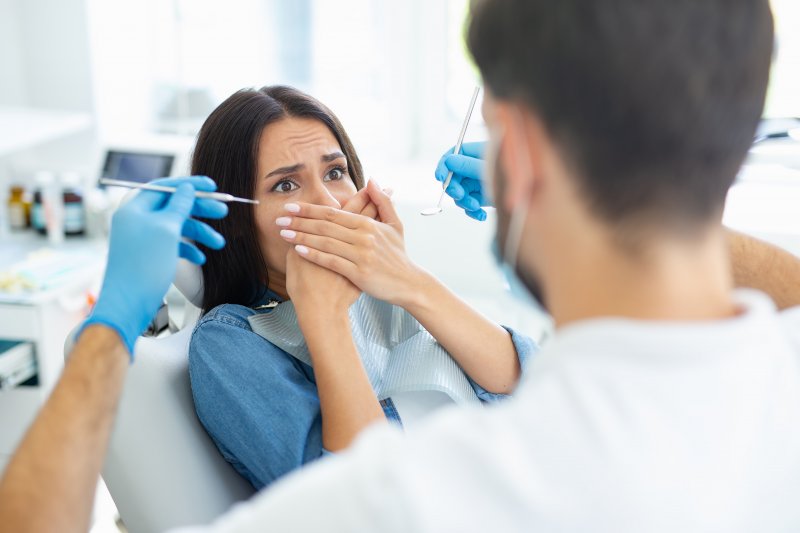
column 74, row 262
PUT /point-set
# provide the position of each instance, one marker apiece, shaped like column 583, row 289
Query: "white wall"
column 12, row 86
column 45, row 63
column 55, row 46
column 44, row 54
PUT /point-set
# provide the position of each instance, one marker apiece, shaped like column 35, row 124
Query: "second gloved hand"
column 146, row 239
column 466, row 187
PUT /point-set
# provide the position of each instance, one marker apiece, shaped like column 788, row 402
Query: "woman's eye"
column 335, row 175
column 284, row 186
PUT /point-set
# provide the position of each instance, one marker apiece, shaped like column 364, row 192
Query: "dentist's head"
column 616, row 129
column 276, row 145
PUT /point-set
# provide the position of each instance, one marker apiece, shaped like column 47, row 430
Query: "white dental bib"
column 398, row 354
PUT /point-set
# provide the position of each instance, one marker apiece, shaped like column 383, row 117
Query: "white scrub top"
column 415, row 407
column 619, row 425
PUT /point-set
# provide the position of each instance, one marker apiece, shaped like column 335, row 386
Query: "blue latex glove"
column 144, row 246
column 466, row 186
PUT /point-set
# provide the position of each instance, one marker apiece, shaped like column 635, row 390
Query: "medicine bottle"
column 74, row 213
column 47, row 214
column 17, row 212
column 45, row 186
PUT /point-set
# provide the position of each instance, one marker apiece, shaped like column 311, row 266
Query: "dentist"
column 666, row 401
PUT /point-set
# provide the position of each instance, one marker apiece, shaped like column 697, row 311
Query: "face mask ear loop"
column 490, row 163
column 520, row 213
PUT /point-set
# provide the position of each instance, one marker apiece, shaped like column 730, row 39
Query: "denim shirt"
column 258, row 403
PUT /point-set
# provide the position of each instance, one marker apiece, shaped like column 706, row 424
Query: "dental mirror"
column 430, row 211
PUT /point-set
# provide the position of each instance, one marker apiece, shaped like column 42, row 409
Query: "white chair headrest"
column 189, row 282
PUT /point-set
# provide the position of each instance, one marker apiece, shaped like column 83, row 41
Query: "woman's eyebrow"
column 285, row 170
column 333, row 156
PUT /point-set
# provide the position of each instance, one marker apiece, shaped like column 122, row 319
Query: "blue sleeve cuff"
column 525, row 347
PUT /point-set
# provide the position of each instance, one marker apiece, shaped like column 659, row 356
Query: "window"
column 784, row 92
column 398, row 74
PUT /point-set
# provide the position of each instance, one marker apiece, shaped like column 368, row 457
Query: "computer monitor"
column 137, row 166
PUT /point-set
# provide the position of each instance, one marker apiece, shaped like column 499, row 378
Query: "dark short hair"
column 227, row 151
column 652, row 103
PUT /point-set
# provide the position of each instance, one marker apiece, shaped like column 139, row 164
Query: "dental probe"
column 221, row 196
column 438, row 209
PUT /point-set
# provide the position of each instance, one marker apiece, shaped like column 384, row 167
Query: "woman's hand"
column 362, row 204
column 322, row 298
column 369, row 253
column 315, row 289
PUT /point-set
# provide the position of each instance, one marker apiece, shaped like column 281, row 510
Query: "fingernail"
column 283, row 221
column 292, row 208
column 302, row 250
column 388, row 191
column 288, row 234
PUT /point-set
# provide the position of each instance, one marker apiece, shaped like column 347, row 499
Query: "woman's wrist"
column 330, row 341
column 420, row 292
column 321, row 308
column 323, row 322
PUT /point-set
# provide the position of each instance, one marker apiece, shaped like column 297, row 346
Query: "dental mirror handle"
column 444, row 189
column 456, row 150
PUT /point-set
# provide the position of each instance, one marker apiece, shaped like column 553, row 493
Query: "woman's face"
column 299, row 159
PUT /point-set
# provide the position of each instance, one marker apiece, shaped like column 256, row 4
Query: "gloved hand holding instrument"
column 147, row 237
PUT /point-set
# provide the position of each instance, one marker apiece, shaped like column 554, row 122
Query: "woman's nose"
column 320, row 195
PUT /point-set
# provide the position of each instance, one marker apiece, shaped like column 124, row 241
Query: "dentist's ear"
column 520, row 154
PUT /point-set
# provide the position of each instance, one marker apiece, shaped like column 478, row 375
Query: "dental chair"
column 162, row 469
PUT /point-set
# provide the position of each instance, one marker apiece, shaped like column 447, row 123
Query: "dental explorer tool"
column 220, row 196
column 438, row 209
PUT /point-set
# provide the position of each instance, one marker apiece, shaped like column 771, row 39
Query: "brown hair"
column 655, row 104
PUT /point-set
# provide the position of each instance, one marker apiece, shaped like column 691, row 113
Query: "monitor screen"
column 135, row 166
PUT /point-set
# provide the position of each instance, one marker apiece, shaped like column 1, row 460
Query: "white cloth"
column 415, row 407
column 398, row 354
column 619, row 426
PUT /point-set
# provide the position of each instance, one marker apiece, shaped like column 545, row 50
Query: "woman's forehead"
column 284, row 141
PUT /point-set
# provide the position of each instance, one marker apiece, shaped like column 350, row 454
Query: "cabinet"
column 45, row 318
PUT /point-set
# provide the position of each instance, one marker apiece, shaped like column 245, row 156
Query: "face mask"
column 507, row 259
